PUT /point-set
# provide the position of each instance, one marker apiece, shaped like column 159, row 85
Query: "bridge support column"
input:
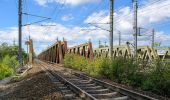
column 61, row 58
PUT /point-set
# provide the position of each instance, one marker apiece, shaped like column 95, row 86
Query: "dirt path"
column 35, row 86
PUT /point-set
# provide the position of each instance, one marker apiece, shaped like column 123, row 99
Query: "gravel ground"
column 35, row 86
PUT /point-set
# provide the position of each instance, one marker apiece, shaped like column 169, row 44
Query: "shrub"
column 68, row 60
column 8, row 59
column 8, row 66
column 10, row 62
column 75, row 62
column 158, row 79
column 96, row 67
column 5, row 71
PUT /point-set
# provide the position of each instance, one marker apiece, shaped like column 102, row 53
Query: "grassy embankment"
column 154, row 78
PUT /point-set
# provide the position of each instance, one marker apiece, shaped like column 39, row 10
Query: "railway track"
column 85, row 87
column 61, row 86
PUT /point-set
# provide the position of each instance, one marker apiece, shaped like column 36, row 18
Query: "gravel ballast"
column 36, row 85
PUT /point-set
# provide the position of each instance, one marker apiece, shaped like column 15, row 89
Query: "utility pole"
column 105, row 44
column 20, row 30
column 57, row 39
column 119, row 38
column 14, row 42
column 111, row 28
column 135, row 26
column 99, row 43
column 153, row 38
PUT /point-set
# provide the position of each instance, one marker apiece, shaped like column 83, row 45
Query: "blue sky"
column 70, row 16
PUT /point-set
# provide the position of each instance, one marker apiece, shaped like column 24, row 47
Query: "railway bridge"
column 56, row 52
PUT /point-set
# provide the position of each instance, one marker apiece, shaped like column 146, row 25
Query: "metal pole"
column 27, row 53
column 20, row 30
column 111, row 28
column 99, row 43
column 119, row 38
column 135, row 27
column 153, row 38
column 105, row 43
column 14, row 42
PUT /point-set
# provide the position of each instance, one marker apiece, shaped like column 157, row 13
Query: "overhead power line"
column 36, row 22
column 99, row 27
column 36, row 15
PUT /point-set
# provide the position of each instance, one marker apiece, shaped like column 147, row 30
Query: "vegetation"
column 155, row 78
column 8, row 60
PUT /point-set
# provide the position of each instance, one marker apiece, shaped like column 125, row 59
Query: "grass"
column 154, row 78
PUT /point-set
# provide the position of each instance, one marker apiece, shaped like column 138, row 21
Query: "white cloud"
column 67, row 17
column 44, row 36
column 123, row 20
column 68, row 2
column 97, row 16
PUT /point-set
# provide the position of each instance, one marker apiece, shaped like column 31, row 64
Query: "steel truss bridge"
column 56, row 52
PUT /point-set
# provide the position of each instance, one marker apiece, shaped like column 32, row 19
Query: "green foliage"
column 5, row 71
column 8, row 60
column 5, row 49
column 122, row 71
column 158, row 79
column 83, row 64
column 75, row 61
column 8, row 66
column 94, row 67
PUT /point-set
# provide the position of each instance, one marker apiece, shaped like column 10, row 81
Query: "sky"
column 70, row 20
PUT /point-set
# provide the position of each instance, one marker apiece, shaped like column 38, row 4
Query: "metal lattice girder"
column 167, row 54
column 123, row 51
column 147, row 53
column 85, row 50
column 54, row 53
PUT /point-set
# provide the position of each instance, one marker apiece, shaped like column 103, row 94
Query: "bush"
column 75, row 62
column 158, row 79
column 10, row 61
column 8, row 66
column 5, row 71
column 95, row 67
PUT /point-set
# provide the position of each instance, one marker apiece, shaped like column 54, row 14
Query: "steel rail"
column 76, row 89
column 132, row 94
